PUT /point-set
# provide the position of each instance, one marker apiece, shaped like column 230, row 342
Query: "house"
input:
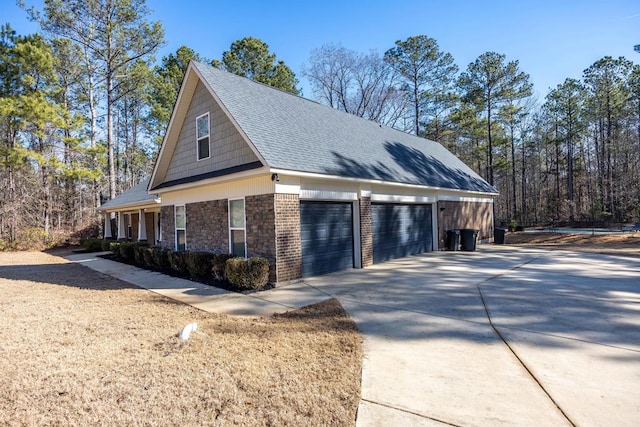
column 248, row 169
column 132, row 205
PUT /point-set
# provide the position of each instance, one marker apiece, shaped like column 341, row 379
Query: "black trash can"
column 498, row 236
column 453, row 240
column 468, row 238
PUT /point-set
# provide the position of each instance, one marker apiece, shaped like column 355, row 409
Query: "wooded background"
column 84, row 106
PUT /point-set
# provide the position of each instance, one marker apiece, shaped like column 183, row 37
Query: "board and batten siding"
column 227, row 147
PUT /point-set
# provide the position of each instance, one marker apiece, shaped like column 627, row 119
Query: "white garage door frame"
column 414, row 200
column 313, row 195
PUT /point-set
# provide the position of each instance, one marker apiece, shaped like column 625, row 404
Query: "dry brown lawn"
column 614, row 244
column 79, row 348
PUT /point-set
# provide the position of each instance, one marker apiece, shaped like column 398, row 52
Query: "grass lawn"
column 81, row 348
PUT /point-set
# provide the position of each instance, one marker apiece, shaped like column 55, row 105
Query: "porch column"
column 107, row 226
column 122, row 228
column 142, row 226
column 156, row 225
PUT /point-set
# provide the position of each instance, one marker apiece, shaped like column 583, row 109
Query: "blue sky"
column 552, row 40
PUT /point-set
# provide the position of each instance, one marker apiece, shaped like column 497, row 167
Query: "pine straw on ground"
column 81, row 348
column 627, row 244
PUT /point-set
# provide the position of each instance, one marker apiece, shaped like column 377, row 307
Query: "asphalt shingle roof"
column 135, row 195
column 297, row 134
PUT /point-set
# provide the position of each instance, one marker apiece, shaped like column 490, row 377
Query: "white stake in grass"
column 186, row 331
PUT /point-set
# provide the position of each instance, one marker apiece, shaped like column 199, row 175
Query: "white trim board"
column 465, row 199
column 306, row 194
column 395, row 198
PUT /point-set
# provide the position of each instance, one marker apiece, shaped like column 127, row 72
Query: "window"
column 129, row 228
column 181, row 233
column 202, row 136
column 237, row 241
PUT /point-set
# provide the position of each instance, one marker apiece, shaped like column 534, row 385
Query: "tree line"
column 84, row 106
column 571, row 158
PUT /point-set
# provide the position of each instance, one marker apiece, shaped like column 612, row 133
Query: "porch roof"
column 136, row 197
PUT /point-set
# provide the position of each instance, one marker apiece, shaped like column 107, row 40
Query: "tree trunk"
column 111, row 162
column 513, row 174
column 416, row 105
column 489, row 140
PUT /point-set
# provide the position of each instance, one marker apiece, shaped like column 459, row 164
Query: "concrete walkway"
column 214, row 300
column 562, row 346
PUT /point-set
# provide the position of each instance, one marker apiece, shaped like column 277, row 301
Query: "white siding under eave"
column 227, row 147
column 328, row 190
column 227, row 190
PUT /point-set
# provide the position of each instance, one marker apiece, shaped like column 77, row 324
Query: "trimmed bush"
column 130, row 251
column 147, row 257
column 219, row 264
column 161, row 258
column 199, row 264
column 92, row 245
column 137, row 254
column 252, row 273
column 127, row 251
column 106, row 245
column 114, row 247
column 178, row 261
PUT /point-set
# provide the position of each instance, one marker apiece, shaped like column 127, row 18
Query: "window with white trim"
column 237, row 231
column 202, row 136
column 181, row 229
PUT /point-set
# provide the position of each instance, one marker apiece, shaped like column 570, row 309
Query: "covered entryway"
column 326, row 230
column 400, row 230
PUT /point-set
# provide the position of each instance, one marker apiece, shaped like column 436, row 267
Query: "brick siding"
column 452, row 215
column 366, row 232
column 261, row 229
column 208, row 226
column 167, row 224
column 289, row 245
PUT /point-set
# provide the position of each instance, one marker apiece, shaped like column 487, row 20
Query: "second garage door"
column 327, row 237
column 400, row 230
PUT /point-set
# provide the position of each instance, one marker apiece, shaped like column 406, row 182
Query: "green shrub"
column 199, row 264
column 219, row 264
column 114, row 247
column 147, row 257
column 105, row 245
column 137, row 253
column 178, row 261
column 127, row 251
column 252, row 273
column 161, row 258
column 93, row 244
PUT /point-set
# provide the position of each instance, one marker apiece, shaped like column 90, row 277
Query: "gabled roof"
column 292, row 133
column 136, row 197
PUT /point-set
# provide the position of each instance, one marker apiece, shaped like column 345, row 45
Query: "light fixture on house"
column 275, row 177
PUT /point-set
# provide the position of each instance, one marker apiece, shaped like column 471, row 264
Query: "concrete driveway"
column 562, row 346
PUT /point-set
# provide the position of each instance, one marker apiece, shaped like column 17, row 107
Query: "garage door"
column 400, row 230
column 327, row 237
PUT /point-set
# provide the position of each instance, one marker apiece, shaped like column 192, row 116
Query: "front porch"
column 133, row 215
column 142, row 225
